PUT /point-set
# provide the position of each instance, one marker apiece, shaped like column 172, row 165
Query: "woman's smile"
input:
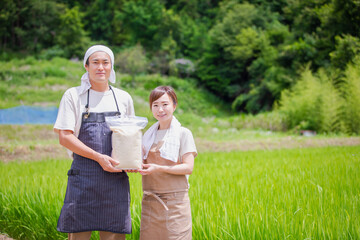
column 163, row 109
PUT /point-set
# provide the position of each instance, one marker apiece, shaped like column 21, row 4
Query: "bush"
column 316, row 103
column 351, row 92
column 272, row 121
column 132, row 61
column 154, row 81
column 55, row 51
column 313, row 104
column 182, row 68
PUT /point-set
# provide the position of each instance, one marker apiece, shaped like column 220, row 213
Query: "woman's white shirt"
column 187, row 143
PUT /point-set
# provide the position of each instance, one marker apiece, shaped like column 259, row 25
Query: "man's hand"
column 108, row 163
column 68, row 140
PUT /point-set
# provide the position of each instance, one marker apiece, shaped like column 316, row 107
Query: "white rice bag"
column 127, row 140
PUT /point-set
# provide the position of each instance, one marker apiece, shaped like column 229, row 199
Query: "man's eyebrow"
column 103, row 59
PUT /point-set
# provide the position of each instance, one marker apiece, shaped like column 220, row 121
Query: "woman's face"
column 163, row 109
column 99, row 67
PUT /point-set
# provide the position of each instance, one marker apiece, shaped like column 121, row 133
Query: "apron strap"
column 157, row 198
column 87, row 103
column 117, row 106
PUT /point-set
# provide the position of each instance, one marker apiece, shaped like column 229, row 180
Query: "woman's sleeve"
column 187, row 142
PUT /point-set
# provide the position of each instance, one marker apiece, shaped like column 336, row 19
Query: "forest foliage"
column 249, row 53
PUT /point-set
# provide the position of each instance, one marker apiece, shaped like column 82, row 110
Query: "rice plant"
column 281, row 194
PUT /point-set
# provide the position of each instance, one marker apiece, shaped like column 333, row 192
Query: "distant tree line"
column 247, row 52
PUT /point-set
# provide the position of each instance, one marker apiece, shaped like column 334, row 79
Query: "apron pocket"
column 178, row 217
column 73, row 189
column 145, row 213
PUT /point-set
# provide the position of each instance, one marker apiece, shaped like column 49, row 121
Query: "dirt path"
column 5, row 237
column 32, row 153
column 55, row 151
column 279, row 143
column 22, row 142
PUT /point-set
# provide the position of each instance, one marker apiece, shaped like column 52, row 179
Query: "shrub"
column 302, row 104
column 132, row 61
column 351, row 91
column 55, row 51
column 273, row 121
column 182, row 68
column 316, row 103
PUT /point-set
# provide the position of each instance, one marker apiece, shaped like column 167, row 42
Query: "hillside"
column 42, row 83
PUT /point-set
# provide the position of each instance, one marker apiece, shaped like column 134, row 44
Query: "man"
column 98, row 195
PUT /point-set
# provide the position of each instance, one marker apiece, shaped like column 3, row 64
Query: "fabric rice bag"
column 127, row 140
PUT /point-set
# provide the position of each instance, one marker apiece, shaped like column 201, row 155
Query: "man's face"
column 99, row 67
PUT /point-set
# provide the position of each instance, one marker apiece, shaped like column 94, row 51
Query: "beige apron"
column 166, row 212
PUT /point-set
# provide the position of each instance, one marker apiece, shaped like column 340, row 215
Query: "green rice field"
column 310, row 193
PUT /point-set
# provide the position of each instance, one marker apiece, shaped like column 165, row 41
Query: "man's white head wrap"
column 85, row 81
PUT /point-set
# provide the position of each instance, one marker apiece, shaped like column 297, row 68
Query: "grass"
column 278, row 194
column 281, row 194
column 39, row 82
column 29, row 82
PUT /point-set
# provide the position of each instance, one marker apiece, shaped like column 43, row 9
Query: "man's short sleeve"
column 66, row 118
column 130, row 108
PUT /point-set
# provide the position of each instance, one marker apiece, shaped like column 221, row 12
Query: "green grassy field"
column 302, row 193
column 308, row 193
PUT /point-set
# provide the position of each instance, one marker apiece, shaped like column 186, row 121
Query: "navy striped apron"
column 95, row 200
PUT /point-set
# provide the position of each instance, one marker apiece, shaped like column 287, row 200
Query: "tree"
column 99, row 19
column 7, row 21
column 72, row 36
column 217, row 68
column 193, row 37
column 345, row 17
column 347, row 48
column 132, row 61
column 29, row 25
column 240, row 55
column 141, row 22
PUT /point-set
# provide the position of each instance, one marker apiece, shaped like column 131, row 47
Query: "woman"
column 168, row 161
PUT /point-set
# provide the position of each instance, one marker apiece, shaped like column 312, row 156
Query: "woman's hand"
column 149, row 169
column 184, row 168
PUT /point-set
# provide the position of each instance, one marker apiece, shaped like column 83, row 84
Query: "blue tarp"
column 28, row 115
